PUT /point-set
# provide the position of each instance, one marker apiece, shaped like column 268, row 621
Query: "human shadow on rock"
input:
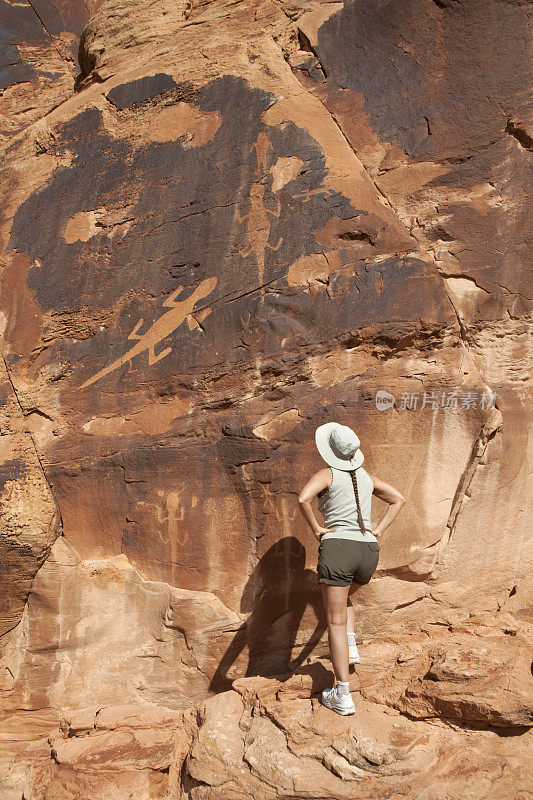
column 276, row 594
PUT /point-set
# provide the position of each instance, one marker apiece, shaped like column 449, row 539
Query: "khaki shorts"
column 345, row 561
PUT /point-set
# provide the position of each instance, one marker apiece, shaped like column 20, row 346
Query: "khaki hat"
column 339, row 446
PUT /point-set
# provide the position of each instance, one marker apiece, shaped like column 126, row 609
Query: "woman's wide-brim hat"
column 339, row 446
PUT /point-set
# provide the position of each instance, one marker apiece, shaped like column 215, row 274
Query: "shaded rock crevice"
column 35, row 449
column 60, row 51
column 490, row 429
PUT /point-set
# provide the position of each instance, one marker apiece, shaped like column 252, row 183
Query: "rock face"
column 38, row 59
column 270, row 737
column 228, row 224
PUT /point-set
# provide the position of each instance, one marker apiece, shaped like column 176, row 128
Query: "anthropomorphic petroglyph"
column 278, row 507
column 170, row 510
column 170, row 517
column 258, row 219
column 160, row 329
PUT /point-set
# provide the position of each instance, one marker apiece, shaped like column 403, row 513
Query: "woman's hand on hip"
column 319, row 531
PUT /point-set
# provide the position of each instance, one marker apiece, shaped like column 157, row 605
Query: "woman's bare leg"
column 335, row 598
column 350, row 623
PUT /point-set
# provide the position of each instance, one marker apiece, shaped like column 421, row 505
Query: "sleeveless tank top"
column 338, row 506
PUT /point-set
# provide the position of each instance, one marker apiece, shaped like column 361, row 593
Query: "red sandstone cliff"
column 229, row 223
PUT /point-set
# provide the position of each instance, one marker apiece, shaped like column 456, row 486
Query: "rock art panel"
column 228, row 224
column 212, row 320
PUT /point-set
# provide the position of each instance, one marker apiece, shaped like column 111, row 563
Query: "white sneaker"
column 353, row 653
column 341, row 704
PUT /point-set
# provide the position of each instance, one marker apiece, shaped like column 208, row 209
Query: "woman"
column 349, row 551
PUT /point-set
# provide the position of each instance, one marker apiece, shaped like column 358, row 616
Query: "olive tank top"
column 339, row 508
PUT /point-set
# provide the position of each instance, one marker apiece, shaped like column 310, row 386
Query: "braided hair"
column 356, row 491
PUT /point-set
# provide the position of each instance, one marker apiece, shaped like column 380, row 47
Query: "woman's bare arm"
column 390, row 495
column 319, row 481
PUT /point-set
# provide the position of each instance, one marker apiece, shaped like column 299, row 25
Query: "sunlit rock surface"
column 226, row 224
